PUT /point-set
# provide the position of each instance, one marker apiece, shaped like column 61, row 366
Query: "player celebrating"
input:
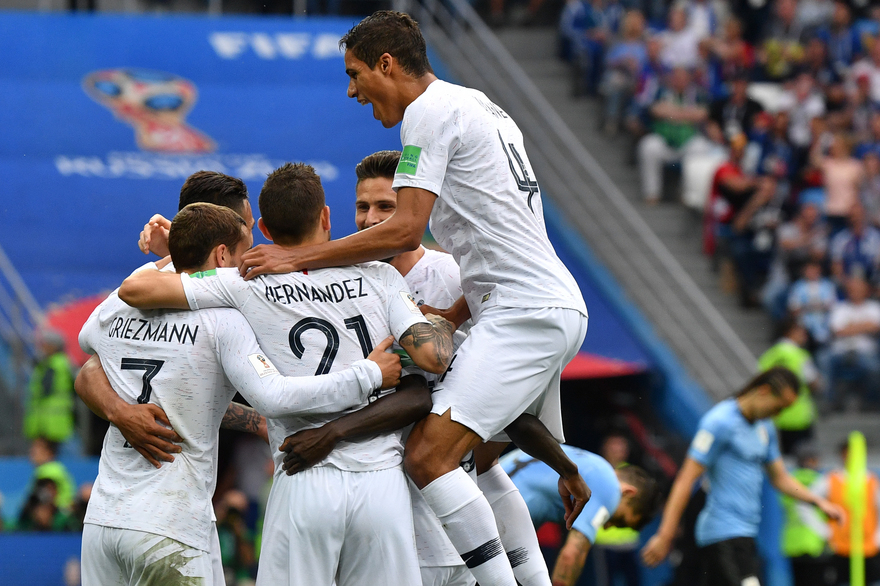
column 316, row 322
column 626, row 497
column 735, row 444
column 146, row 525
column 463, row 166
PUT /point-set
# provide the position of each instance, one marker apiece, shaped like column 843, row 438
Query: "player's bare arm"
column 457, row 314
column 430, row 345
column 401, row 232
column 149, row 289
column 789, row 485
column 657, row 548
column 145, row 427
column 533, row 438
column 240, row 417
column 572, row 557
column 409, row 403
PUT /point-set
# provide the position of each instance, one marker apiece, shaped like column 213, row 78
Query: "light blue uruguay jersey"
column 734, row 453
column 537, row 483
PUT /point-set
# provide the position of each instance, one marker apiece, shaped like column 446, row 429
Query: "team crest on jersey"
column 262, row 365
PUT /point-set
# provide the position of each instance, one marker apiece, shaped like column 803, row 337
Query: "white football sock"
column 470, row 525
column 515, row 527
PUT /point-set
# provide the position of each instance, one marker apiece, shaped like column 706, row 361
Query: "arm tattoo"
column 438, row 332
column 239, row 417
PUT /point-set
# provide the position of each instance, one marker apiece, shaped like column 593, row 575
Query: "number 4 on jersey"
column 524, row 182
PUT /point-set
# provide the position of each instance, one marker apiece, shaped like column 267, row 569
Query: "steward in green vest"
column 42, row 455
column 795, row 423
column 804, row 538
column 51, row 407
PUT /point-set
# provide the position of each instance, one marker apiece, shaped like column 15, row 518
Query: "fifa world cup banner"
column 104, row 117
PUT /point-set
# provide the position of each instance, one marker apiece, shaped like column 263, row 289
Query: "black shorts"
column 730, row 563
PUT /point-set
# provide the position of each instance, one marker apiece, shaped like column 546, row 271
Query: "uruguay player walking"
column 735, row 445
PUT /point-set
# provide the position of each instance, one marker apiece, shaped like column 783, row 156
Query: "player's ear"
column 325, row 219
column 385, row 63
column 222, row 257
column 264, row 230
column 627, row 490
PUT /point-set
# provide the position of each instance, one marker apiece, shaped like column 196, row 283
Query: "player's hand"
column 575, row 494
column 154, row 236
column 141, row 426
column 389, row 363
column 656, row 550
column 266, row 259
column 834, row 511
column 307, row 447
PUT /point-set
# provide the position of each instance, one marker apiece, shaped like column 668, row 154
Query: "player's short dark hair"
column 216, row 188
column 395, row 33
column 778, row 378
column 197, row 229
column 378, row 165
column 291, row 202
column 646, row 501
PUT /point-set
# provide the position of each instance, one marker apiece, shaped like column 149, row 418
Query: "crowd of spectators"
column 770, row 114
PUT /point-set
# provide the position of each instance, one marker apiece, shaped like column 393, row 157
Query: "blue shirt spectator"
column 855, row 251
column 811, row 299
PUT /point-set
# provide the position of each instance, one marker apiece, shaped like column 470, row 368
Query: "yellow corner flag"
column 856, row 467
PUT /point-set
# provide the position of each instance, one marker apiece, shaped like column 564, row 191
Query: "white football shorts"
column 447, row 576
column 325, row 525
column 125, row 557
column 510, row 364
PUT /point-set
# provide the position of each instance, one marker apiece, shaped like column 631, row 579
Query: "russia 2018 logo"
column 155, row 104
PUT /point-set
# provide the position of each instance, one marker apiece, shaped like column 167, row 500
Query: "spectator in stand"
column 842, row 39
column 43, row 454
column 624, row 62
column 704, row 16
column 803, row 103
column 732, row 51
column 677, row 112
column 853, row 356
column 813, row 13
column 872, row 142
column 680, row 43
column 799, row 241
column 855, row 251
column 50, row 407
column 810, row 300
column 776, row 155
column 795, row 422
column 835, row 486
column 843, row 176
column 598, row 26
column 805, row 533
column 638, row 117
column 617, row 555
column 862, row 112
column 782, row 49
column 870, row 191
column 40, row 513
column 870, row 66
column 734, row 114
column 734, row 204
column 817, row 65
column 236, row 540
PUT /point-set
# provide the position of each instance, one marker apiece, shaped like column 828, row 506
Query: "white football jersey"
column 173, row 359
column 315, row 322
column 466, row 150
